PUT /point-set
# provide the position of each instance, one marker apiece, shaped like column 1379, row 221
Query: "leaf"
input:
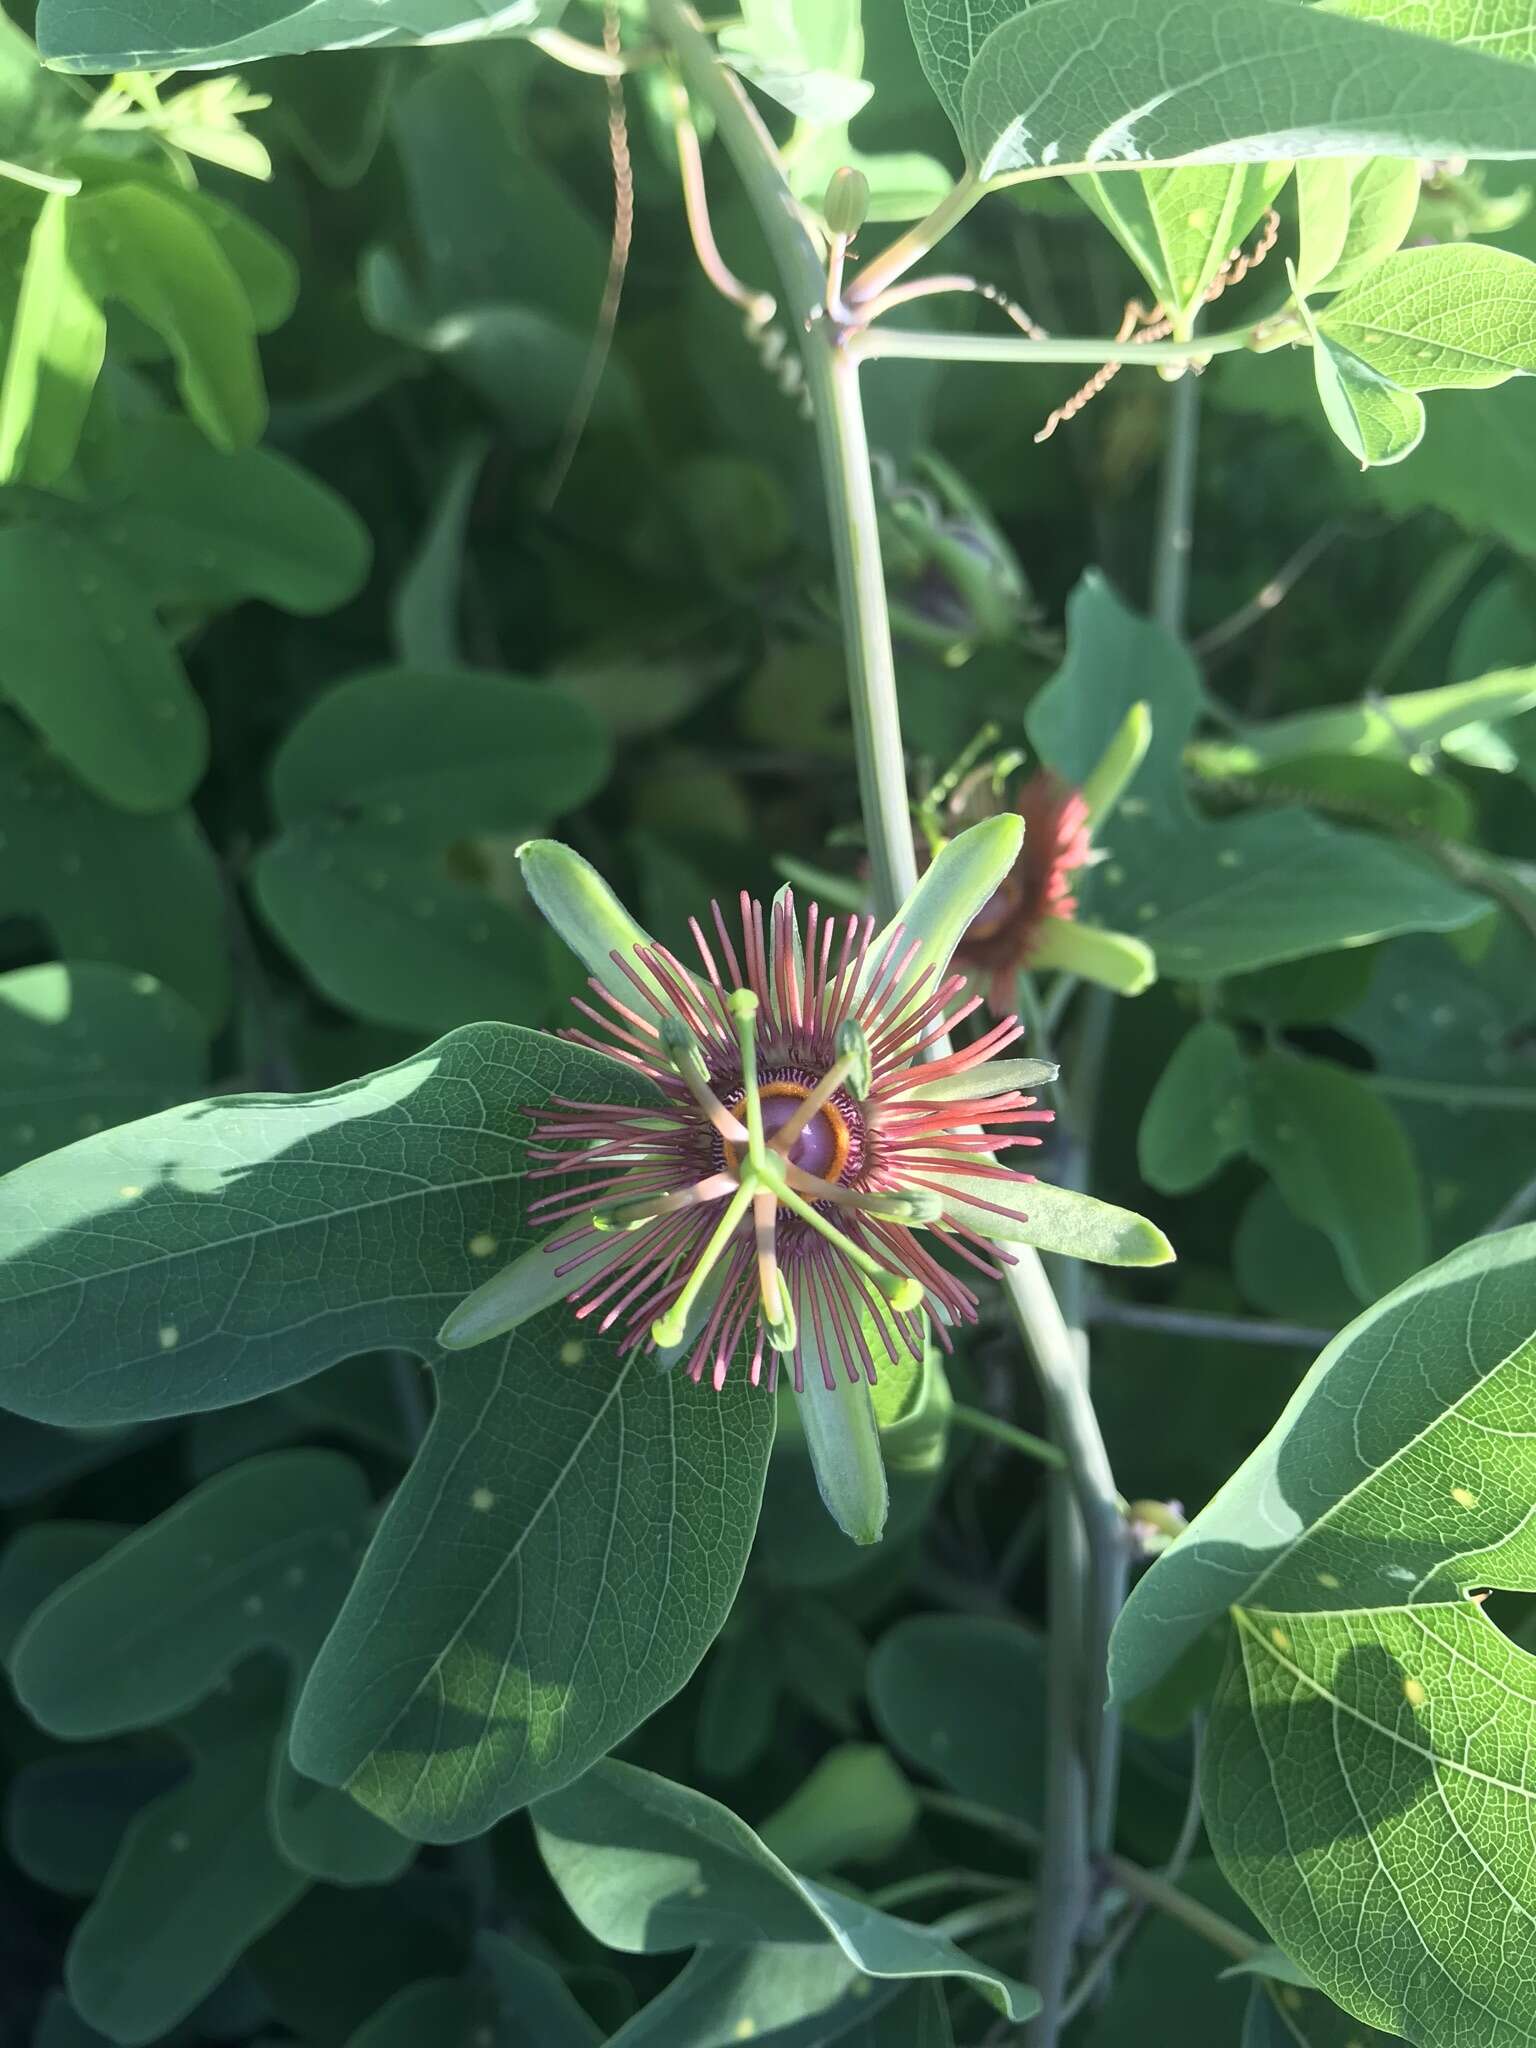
column 1065, row 83
column 948, row 34
column 648, row 1866
column 1314, row 1503
column 1342, row 1161
column 426, row 602
column 1351, row 211
column 1377, row 423
column 57, row 342
column 536, row 2009
column 963, row 1698
column 86, row 1046
column 1500, row 28
column 374, row 785
column 143, row 892
column 1289, row 2016
column 793, row 1995
column 1460, row 315
column 806, row 54
column 365, row 1212
column 196, row 1880
column 563, row 1550
column 194, row 525
column 146, row 247
column 1211, row 899
column 1197, row 1117
column 87, row 662
column 257, row 1558
column 66, row 1815
column 1382, row 728
column 442, row 2010
column 1180, row 226
column 38, row 1560
column 854, row 1806
column 74, row 36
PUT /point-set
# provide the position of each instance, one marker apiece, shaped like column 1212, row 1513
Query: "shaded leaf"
column 77, row 35
column 1197, row 1116
column 964, row 1699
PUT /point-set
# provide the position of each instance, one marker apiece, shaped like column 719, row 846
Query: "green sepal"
column 523, row 1289
column 587, row 914
column 995, row 1077
column 1113, row 959
column 941, row 909
column 1054, row 1219
column 1111, row 776
column 843, row 1439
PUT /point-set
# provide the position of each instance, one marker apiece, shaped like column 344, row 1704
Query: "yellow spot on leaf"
column 1327, row 1579
column 572, row 1353
column 744, row 2029
column 129, row 1190
column 1463, row 1496
column 1414, row 1693
column 1280, row 1639
column 170, row 1337
column 481, row 1245
column 482, row 1500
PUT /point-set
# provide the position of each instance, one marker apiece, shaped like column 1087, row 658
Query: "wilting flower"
column 781, row 1195
column 1008, row 931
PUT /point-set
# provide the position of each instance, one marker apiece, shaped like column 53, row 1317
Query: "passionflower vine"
column 809, row 1146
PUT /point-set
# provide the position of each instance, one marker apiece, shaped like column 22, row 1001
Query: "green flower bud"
column 847, row 202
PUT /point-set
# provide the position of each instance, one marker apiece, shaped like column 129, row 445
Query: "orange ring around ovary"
column 837, row 1123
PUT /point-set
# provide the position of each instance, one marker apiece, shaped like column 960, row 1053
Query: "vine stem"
column 891, row 344
column 1088, row 1549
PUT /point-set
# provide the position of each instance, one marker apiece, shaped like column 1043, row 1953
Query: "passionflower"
column 812, row 1163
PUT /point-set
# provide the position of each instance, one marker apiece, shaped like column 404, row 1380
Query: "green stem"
column 893, row 344
column 898, row 257
column 1022, row 1834
column 981, row 1424
column 1176, row 508
column 1166, row 1898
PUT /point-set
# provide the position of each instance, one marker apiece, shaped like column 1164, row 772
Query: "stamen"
column 668, row 1329
column 631, row 1215
column 898, row 1205
column 899, row 1289
column 777, row 1311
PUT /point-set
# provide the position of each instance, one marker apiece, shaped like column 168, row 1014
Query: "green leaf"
column 143, row 892
column 1500, row 28
column 1351, row 211
column 1054, row 1219
column 854, row 1806
column 132, row 1287
column 963, row 1698
column 1460, row 315
column 196, row 1880
column 648, row 1866
column 1180, row 226
column 374, row 785
column 258, row 1558
column 75, row 35
column 941, row 909
column 536, row 2009
column 1211, row 899
column 149, row 249
column 1314, row 1505
column 1197, row 1116
column 532, row 1611
column 191, row 524
column 426, row 603
column 1342, row 1161
column 794, row 1995
column 1386, row 728
column 1376, row 422
column 87, row 662
column 948, row 34
column 443, row 2010
column 1065, row 83
column 806, row 54
column 38, row 1560
column 57, row 343
column 66, row 1815
column 86, row 1046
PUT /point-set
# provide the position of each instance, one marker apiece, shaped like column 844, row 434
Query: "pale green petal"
column 993, row 1077
column 1055, row 1220
column 510, row 1297
column 1118, row 763
column 586, row 913
column 941, row 908
column 1112, row 959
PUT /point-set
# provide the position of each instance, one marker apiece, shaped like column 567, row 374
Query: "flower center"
column 821, row 1148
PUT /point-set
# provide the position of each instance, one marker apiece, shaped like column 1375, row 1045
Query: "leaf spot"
column 1330, row 1580
column 128, row 1190
column 1280, row 1639
column 572, row 1352
column 1146, row 912
column 1414, row 1693
column 1229, row 857
column 479, row 933
column 294, row 1576
column 170, row 1336
column 251, row 1605
column 744, row 2029
column 1464, row 1497
column 482, row 1500
column 1114, row 874
column 179, row 1843
column 481, row 1245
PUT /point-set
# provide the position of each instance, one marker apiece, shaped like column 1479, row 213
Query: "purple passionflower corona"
column 810, row 1145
